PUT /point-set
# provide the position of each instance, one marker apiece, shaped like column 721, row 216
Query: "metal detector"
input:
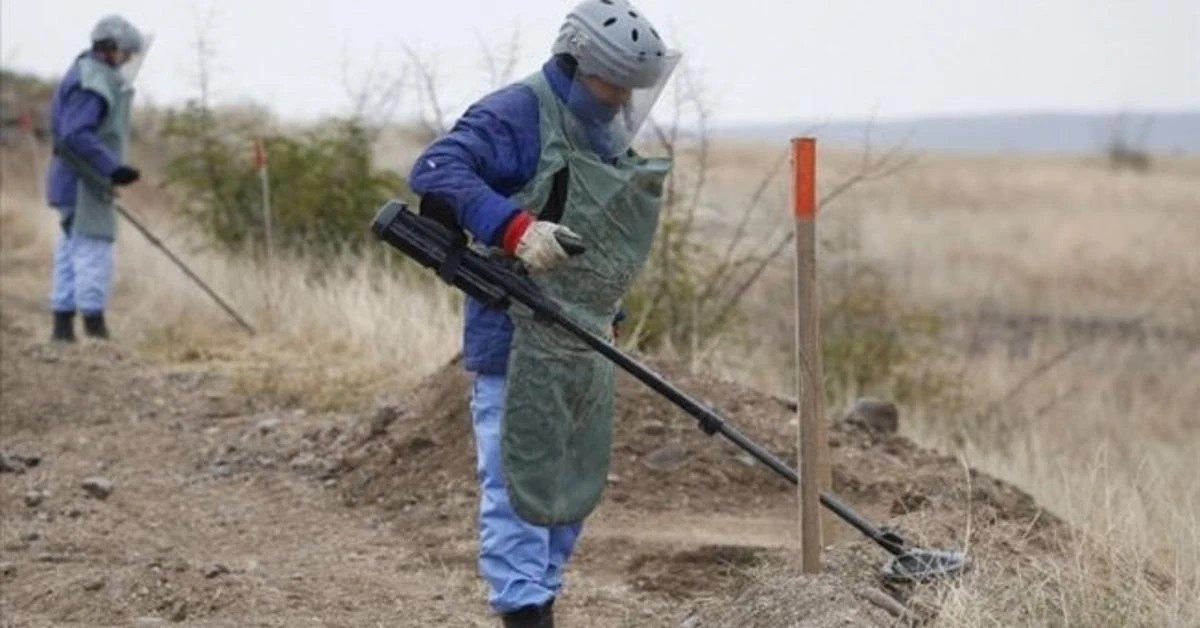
column 105, row 189
column 499, row 282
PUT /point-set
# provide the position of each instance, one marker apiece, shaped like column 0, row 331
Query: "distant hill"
column 1175, row 132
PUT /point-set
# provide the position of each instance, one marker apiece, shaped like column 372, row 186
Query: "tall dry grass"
column 366, row 327
column 1108, row 441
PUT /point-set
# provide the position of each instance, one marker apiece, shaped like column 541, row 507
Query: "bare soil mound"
column 421, row 451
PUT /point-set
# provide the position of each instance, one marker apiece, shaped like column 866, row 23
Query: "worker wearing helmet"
column 542, row 161
column 89, row 125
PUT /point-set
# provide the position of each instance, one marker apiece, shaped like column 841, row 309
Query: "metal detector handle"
column 101, row 185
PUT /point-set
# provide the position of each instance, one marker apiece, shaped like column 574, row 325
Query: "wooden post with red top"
column 815, row 472
column 260, row 164
column 264, row 181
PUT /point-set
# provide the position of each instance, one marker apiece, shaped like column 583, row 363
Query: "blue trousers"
column 522, row 563
column 83, row 270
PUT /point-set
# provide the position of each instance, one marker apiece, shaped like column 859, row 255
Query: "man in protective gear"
column 548, row 158
column 90, row 127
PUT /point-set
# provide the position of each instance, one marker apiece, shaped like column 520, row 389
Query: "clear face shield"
column 130, row 69
column 610, row 116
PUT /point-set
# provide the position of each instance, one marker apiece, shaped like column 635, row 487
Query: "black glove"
column 125, row 175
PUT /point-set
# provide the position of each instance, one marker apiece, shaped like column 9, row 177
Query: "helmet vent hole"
column 633, row 15
column 606, row 1
column 655, row 33
column 634, row 34
column 610, row 21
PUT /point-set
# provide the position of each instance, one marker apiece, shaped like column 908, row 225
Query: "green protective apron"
column 556, row 435
column 95, row 214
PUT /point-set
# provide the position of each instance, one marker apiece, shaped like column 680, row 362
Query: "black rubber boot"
column 64, row 327
column 94, row 327
column 531, row 617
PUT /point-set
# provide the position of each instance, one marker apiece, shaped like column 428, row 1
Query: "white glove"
column 539, row 248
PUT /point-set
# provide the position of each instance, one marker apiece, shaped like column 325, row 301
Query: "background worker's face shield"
column 611, row 114
column 133, row 65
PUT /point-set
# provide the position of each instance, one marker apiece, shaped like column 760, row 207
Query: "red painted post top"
column 804, row 177
column 260, row 154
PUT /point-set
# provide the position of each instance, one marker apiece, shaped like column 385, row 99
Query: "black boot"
column 93, row 325
column 64, row 327
column 531, row 617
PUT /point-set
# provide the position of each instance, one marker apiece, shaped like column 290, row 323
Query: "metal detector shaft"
column 433, row 246
column 104, row 188
column 203, row 286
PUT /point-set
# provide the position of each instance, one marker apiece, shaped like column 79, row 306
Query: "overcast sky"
column 777, row 59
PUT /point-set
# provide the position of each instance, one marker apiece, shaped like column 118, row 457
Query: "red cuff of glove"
column 515, row 230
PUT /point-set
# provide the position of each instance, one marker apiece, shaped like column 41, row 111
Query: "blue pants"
column 83, row 270
column 523, row 563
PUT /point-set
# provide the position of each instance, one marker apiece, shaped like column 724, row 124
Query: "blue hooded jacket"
column 491, row 152
column 75, row 114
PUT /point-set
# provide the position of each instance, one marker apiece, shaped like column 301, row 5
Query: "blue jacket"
column 75, row 114
column 491, row 152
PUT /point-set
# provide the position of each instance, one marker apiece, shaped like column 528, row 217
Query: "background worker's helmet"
column 125, row 36
column 612, row 40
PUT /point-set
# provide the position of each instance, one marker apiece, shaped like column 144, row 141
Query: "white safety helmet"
column 118, row 30
column 127, row 38
column 614, row 41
